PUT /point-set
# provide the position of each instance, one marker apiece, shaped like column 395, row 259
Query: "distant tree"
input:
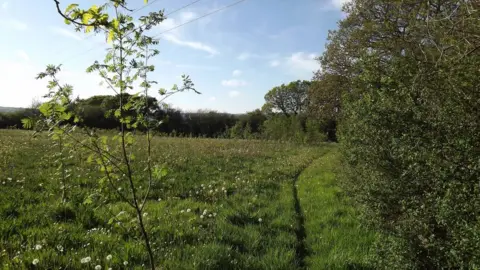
column 290, row 99
column 250, row 123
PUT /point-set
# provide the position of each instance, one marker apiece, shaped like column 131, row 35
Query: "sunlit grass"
column 335, row 239
column 225, row 204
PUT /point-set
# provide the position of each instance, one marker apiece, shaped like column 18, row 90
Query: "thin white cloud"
column 237, row 72
column 66, row 33
column 234, row 83
column 19, row 78
column 245, row 56
column 187, row 16
column 233, row 93
column 339, row 3
column 197, row 67
column 5, row 5
column 13, row 24
column 191, row 44
column 301, row 65
column 22, row 54
column 274, row 63
column 212, row 98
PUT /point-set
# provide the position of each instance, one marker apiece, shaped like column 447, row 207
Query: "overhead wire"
column 175, row 27
column 131, row 13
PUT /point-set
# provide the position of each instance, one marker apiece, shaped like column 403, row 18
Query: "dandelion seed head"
column 85, row 260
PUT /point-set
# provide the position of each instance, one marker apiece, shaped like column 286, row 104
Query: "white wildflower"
column 109, row 257
column 260, row 220
column 35, row 261
column 98, row 267
column 85, row 260
column 125, row 263
column 38, row 247
column 188, row 210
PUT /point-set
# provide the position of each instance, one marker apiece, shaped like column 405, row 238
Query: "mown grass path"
column 329, row 234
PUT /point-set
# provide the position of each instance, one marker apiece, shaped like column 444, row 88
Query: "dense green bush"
column 410, row 128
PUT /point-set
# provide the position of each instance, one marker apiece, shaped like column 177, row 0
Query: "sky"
column 234, row 56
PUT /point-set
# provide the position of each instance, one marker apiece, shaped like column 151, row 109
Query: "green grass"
column 244, row 186
column 334, row 237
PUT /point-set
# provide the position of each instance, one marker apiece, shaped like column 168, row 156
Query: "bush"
column 411, row 130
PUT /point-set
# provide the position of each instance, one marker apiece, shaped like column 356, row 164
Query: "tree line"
column 286, row 115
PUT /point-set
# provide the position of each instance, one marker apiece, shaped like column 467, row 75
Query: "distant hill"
column 9, row 109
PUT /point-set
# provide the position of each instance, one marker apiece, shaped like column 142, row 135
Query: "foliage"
column 290, row 99
column 249, row 125
column 410, row 127
column 284, row 128
column 126, row 62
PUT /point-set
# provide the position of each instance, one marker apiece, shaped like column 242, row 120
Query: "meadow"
column 224, row 204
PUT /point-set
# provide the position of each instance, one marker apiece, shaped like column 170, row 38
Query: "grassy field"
column 225, row 204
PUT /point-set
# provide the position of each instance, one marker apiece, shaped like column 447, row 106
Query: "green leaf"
column 88, row 200
column 118, row 113
column 44, row 109
column 86, row 18
column 159, row 172
column 70, row 7
column 27, row 123
column 111, row 34
column 88, row 29
column 116, row 23
column 94, row 9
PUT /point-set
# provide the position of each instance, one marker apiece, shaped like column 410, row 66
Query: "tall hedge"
column 410, row 126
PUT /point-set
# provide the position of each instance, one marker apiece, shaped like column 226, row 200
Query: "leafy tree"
column 126, row 62
column 290, row 99
column 248, row 125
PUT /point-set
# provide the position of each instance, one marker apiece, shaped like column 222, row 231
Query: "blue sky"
column 234, row 56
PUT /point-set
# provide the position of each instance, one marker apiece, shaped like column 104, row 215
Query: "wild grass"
column 225, row 204
column 335, row 239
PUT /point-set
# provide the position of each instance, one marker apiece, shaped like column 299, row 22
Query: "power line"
column 198, row 18
column 175, row 27
column 131, row 13
column 144, row 6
